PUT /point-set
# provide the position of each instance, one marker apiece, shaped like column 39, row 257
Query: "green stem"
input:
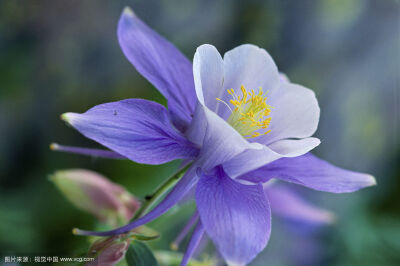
column 160, row 191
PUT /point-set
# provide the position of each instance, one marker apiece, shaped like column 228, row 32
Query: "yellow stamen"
column 250, row 114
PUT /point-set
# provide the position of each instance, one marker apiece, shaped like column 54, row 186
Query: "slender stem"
column 147, row 205
column 160, row 191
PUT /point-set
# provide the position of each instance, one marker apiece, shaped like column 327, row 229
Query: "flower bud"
column 108, row 251
column 92, row 192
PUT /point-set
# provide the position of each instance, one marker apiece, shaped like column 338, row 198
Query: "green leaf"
column 139, row 254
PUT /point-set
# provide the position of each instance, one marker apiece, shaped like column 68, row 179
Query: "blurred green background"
column 59, row 56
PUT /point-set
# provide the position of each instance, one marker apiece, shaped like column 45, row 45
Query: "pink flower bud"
column 92, row 192
column 108, row 251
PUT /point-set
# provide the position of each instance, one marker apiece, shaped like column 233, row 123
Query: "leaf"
column 139, row 254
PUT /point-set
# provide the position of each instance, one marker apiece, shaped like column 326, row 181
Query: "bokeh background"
column 59, row 56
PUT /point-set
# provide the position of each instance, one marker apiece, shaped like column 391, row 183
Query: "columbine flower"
column 92, row 192
column 235, row 117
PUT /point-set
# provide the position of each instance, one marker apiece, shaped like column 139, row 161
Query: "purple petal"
column 193, row 244
column 87, row 151
column 161, row 63
column 137, row 129
column 310, row 171
column 185, row 230
column 286, row 203
column 235, row 216
column 180, row 189
column 197, row 128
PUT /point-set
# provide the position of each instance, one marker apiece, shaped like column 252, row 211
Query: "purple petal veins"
column 235, row 216
column 138, row 129
column 161, row 63
column 310, row 171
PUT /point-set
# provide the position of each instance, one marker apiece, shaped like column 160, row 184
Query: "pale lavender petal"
column 235, row 216
column 193, row 244
column 87, row 151
column 197, row 128
column 288, row 204
column 208, row 74
column 283, row 77
column 258, row 157
column 295, row 113
column 137, row 129
column 250, row 66
column 249, row 160
column 161, row 63
column 220, row 142
column 294, row 147
column 310, row 171
column 180, row 189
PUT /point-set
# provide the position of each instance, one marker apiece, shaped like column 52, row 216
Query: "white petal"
column 295, row 113
column 250, row 66
column 249, row 160
column 218, row 140
column 208, row 75
column 256, row 157
column 284, row 78
column 294, row 147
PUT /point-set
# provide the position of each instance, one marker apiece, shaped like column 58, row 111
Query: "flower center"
column 250, row 115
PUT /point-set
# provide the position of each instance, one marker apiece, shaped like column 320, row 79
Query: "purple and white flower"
column 234, row 117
